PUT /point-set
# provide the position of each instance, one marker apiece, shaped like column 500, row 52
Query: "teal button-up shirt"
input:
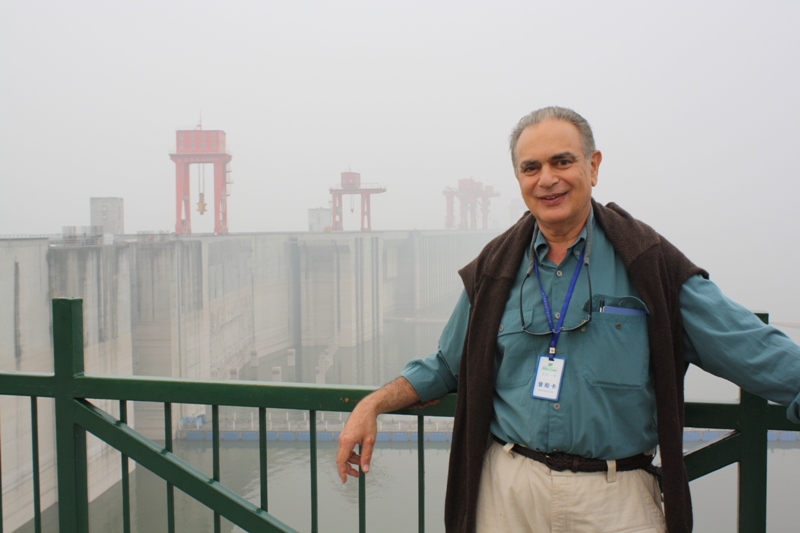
column 606, row 408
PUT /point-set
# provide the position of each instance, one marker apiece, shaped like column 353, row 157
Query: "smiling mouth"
column 551, row 197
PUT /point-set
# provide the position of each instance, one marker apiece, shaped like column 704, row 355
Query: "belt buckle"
column 550, row 465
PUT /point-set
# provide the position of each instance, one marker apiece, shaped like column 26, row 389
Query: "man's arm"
column 432, row 377
column 362, row 425
column 729, row 341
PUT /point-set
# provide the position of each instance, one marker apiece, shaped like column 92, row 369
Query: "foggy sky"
column 694, row 106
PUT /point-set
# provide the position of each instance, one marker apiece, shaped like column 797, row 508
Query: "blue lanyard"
column 556, row 332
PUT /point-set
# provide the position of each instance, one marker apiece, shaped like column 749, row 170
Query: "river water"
column 392, row 483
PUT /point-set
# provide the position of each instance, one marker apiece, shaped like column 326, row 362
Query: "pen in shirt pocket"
column 602, row 306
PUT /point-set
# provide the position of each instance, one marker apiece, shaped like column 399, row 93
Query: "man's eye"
column 563, row 163
column 529, row 168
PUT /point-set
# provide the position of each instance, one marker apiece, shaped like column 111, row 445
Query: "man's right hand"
column 362, row 425
column 361, row 428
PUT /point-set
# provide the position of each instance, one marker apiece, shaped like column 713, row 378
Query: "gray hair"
column 557, row 113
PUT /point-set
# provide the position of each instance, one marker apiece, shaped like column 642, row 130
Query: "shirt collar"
column 541, row 247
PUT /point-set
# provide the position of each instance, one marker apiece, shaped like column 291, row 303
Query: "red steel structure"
column 351, row 185
column 201, row 146
column 470, row 194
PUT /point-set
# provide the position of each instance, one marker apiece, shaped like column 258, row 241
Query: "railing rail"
column 76, row 415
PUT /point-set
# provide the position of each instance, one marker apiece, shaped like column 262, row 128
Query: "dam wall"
column 201, row 307
column 101, row 276
column 25, row 345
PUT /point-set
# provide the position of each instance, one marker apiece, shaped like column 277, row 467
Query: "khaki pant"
column 518, row 494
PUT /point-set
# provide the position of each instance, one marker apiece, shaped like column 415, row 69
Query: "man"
column 568, row 349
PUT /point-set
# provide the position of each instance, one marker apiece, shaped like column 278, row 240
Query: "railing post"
column 73, row 493
column 421, row 473
column 362, row 499
column 312, row 430
column 753, row 464
column 753, row 460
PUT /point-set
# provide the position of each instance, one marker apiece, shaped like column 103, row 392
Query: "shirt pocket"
column 515, row 356
column 616, row 351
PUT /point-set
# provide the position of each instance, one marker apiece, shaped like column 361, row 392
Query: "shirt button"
column 556, row 406
column 618, row 325
column 558, row 315
column 501, row 327
column 559, row 273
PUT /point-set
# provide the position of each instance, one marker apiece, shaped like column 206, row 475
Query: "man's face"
column 555, row 178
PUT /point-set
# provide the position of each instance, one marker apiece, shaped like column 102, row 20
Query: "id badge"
column 547, row 381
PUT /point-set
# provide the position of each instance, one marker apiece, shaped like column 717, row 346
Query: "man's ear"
column 594, row 165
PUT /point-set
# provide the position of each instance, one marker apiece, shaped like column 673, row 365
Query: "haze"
column 694, row 105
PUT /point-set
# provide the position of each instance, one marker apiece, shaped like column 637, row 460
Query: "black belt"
column 560, row 461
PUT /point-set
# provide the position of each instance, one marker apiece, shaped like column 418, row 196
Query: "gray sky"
column 694, row 105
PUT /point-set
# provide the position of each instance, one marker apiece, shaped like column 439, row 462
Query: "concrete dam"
column 206, row 307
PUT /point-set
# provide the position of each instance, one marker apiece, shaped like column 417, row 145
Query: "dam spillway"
column 205, row 307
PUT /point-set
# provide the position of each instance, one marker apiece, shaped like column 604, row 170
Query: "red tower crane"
column 470, row 194
column 201, row 146
column 351, row 185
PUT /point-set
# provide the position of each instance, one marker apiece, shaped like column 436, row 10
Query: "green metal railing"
column 76, row 415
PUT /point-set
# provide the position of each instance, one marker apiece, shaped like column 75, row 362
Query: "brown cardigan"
column 657, row 270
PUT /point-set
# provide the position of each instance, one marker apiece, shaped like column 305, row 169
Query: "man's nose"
column 548, row 178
